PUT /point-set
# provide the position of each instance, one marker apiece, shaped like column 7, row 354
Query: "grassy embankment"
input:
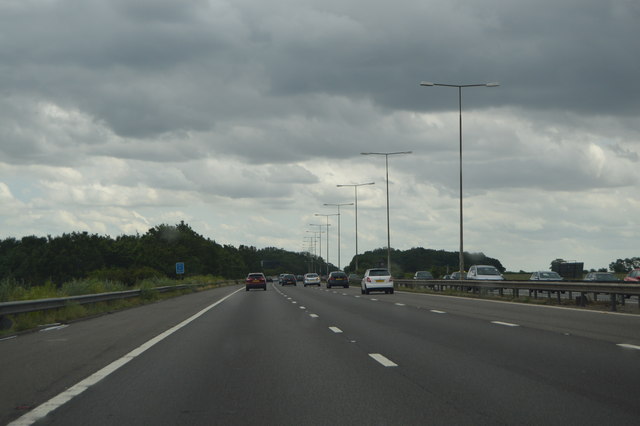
column 13, row 291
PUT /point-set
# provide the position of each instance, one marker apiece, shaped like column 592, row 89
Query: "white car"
column 545, row 276
column 377, row 279
column 484, row 272
column 311, row 279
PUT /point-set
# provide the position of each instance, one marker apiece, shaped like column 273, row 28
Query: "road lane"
column 255, row 359
column 277, row 357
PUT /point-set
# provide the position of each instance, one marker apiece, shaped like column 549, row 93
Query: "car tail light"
column 368, row 279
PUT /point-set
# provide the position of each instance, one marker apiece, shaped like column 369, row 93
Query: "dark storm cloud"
column 148, row 68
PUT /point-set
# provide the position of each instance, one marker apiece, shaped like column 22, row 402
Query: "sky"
column 241, row 117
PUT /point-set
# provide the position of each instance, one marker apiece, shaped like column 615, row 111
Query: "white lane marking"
column 335, row 329
column 400, row 304
column 383, row 360
column 294, row 302
column 357, row 297
column 628, row 346
column 374, row 300
column 8, row 338
column 506, row 324
column 302, row 307
column 435, row 311
column 313, row 316
column 42, row 410
column 55, row 327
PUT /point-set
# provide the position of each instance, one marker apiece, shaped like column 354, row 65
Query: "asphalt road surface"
column 312, row 356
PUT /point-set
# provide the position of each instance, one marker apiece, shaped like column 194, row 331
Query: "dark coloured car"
column 256, row 280
column 601, row 277
column 337, row 278
column 423, row 275
column 288, row 279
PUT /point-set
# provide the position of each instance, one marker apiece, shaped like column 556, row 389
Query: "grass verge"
column 13, row 324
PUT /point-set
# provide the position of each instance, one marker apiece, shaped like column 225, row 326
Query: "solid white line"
column 435, row 311
column 383, row 360
column 506, row 324
column 75, row 390
column 335, row 329
column 628, row 346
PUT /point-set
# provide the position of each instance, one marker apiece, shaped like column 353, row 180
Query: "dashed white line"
column 506, row 324
column 313, row 316
column 400, row 304
column 628, row 346
column 294, row 302
column 302, row 307
column 335, row 329
column 386, row 362
column 435, row 311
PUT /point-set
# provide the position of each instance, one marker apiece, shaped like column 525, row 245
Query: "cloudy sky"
column 240, row 117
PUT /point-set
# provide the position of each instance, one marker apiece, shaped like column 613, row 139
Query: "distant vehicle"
column 633, row 276
column 256, row 280
column 280, row 278
column 446, row 277
column 353, row 278
column 288, row 279
column 311, row 279
column 337, row 278
column 423, row 275
column 377, row 279
column 456, row 276
column 601, row 277
column 484, row 272
column 545, row 276
column 299, row 278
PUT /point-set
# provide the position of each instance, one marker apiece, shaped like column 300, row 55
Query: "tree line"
column 33, row 260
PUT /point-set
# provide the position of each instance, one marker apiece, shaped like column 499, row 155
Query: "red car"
column 256, row 280
column 633, row 276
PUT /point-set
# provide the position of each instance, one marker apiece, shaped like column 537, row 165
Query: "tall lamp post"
column 460, row 86
column 327, row 216
column 386, row 159
column 355, row 188
column 338, row 206
column 319, row 232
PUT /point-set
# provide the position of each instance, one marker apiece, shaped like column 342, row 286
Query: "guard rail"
column 24, row 306
column 614, row 290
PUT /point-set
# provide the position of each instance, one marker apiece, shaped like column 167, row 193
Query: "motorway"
column 312, row 356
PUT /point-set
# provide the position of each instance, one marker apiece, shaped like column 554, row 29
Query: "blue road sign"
column 180, row 268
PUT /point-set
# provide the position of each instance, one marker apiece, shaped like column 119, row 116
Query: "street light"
column 386, row 159
column 338, row 206
column 460, row 86
column 327, row 216
column 355, row 188
column 320, row 232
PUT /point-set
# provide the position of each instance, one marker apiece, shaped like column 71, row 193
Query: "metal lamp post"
column 338, row 206
column 355, row 188
column 327, row 216
column 386, row 159
column 460, row 86
column 319, row 232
